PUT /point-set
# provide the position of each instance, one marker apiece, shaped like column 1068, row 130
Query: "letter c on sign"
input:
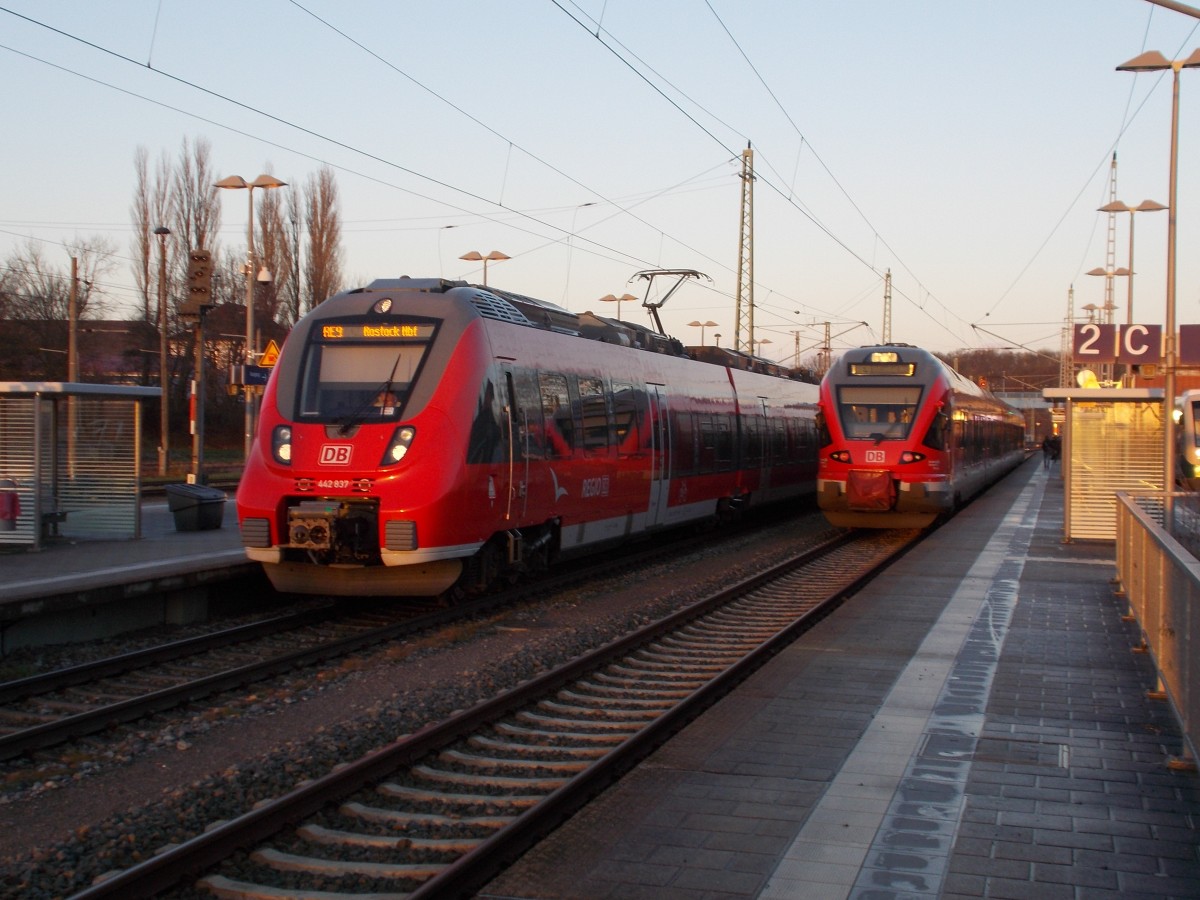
column 1133, row 340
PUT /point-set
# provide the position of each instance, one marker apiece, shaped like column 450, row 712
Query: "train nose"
column 871, row 489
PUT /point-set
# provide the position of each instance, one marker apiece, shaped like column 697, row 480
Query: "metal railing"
column 1160, row 577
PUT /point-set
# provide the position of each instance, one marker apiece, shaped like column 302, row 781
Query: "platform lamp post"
column 610, row 298
column 1118, row 206
column 164, row 370
column 1106, row 315
column 702, row 325
column 760, row 344
column 1153, row 61
column 476, row 256
column 1108, row 274
column 237, row 182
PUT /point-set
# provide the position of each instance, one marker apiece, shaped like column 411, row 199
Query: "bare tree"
column 36, row 301
column 323, row 269
column 196, row 210
column 151, row 208
column 162, row 213
column 139, row 211
column 275, row 254
column 295, row 221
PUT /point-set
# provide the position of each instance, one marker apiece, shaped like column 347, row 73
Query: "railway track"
column 440, row 812
column 48, row 709
column 45, row 710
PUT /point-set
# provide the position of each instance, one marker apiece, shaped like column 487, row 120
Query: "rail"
column 1160, row 578
column 475, row 808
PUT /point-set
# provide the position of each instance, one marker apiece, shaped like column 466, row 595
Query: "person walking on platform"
column 1051, row 450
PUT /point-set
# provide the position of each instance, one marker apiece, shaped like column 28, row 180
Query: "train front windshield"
column 878, row 412
column 357, row 371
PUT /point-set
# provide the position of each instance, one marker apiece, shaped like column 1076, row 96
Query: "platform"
column 972, row 724
column 72, row 574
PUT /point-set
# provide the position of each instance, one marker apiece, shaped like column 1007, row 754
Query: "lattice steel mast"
column 887, row 307
column 744, row 312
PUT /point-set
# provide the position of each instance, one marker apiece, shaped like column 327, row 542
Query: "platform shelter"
column 1112, row 441
column 70, row 461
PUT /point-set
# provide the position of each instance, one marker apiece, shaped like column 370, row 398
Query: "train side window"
column 753, row 445
column 683, row 443
column 725, row 448
column 628, row 408
column 779, row 441
column 824, row 437
column 531, row 437
column 706, row 444
column 593, row 407
column 807, row 448
column 556, row 413
column 935, row 437
column 486, row 443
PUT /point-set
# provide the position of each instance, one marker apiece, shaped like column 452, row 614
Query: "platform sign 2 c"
column 1094, row 344
column 1189, row 345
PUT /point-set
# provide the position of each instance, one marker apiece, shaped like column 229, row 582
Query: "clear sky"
column 964, row 145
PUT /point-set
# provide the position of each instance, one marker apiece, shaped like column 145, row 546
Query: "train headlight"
column 842, row 456
column 397, row 448
column 281, row 444
column 911, row 456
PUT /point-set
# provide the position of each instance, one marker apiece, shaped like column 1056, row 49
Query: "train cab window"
column 355, row 381
column 878, row 412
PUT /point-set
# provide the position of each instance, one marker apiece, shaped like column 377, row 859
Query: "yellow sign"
column 270, row 356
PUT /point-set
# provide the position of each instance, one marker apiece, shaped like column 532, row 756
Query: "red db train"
column 419, row 435
column 905, row 438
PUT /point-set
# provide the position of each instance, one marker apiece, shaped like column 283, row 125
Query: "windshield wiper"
column 360, row 412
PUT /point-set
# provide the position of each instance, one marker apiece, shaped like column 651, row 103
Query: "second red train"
column 905, row 438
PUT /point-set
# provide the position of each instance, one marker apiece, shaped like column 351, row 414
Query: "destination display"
column 389, row 331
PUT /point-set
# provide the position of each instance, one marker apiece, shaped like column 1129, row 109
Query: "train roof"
column 517, row 309
column 900, row 353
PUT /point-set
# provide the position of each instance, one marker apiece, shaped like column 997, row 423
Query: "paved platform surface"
column 68, row 570
column 973, row 724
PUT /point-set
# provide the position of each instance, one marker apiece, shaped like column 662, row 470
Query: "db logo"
column 336, row 454
column 875, row 456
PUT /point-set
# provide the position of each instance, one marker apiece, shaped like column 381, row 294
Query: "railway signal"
column 199, row 281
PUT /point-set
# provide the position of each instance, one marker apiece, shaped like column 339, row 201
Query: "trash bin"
column 10, row 505
column 196, row 507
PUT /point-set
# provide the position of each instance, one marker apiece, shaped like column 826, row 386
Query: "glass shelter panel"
column 1111, row 447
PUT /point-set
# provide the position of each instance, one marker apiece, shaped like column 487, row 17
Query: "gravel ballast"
column 107, row 803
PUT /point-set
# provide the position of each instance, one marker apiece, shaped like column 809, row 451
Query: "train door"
column 660, row 455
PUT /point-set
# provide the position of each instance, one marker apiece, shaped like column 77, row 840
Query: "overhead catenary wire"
column 341, row 144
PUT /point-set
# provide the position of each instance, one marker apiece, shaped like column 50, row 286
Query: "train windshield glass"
column 878, row 412
column 355, row 381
